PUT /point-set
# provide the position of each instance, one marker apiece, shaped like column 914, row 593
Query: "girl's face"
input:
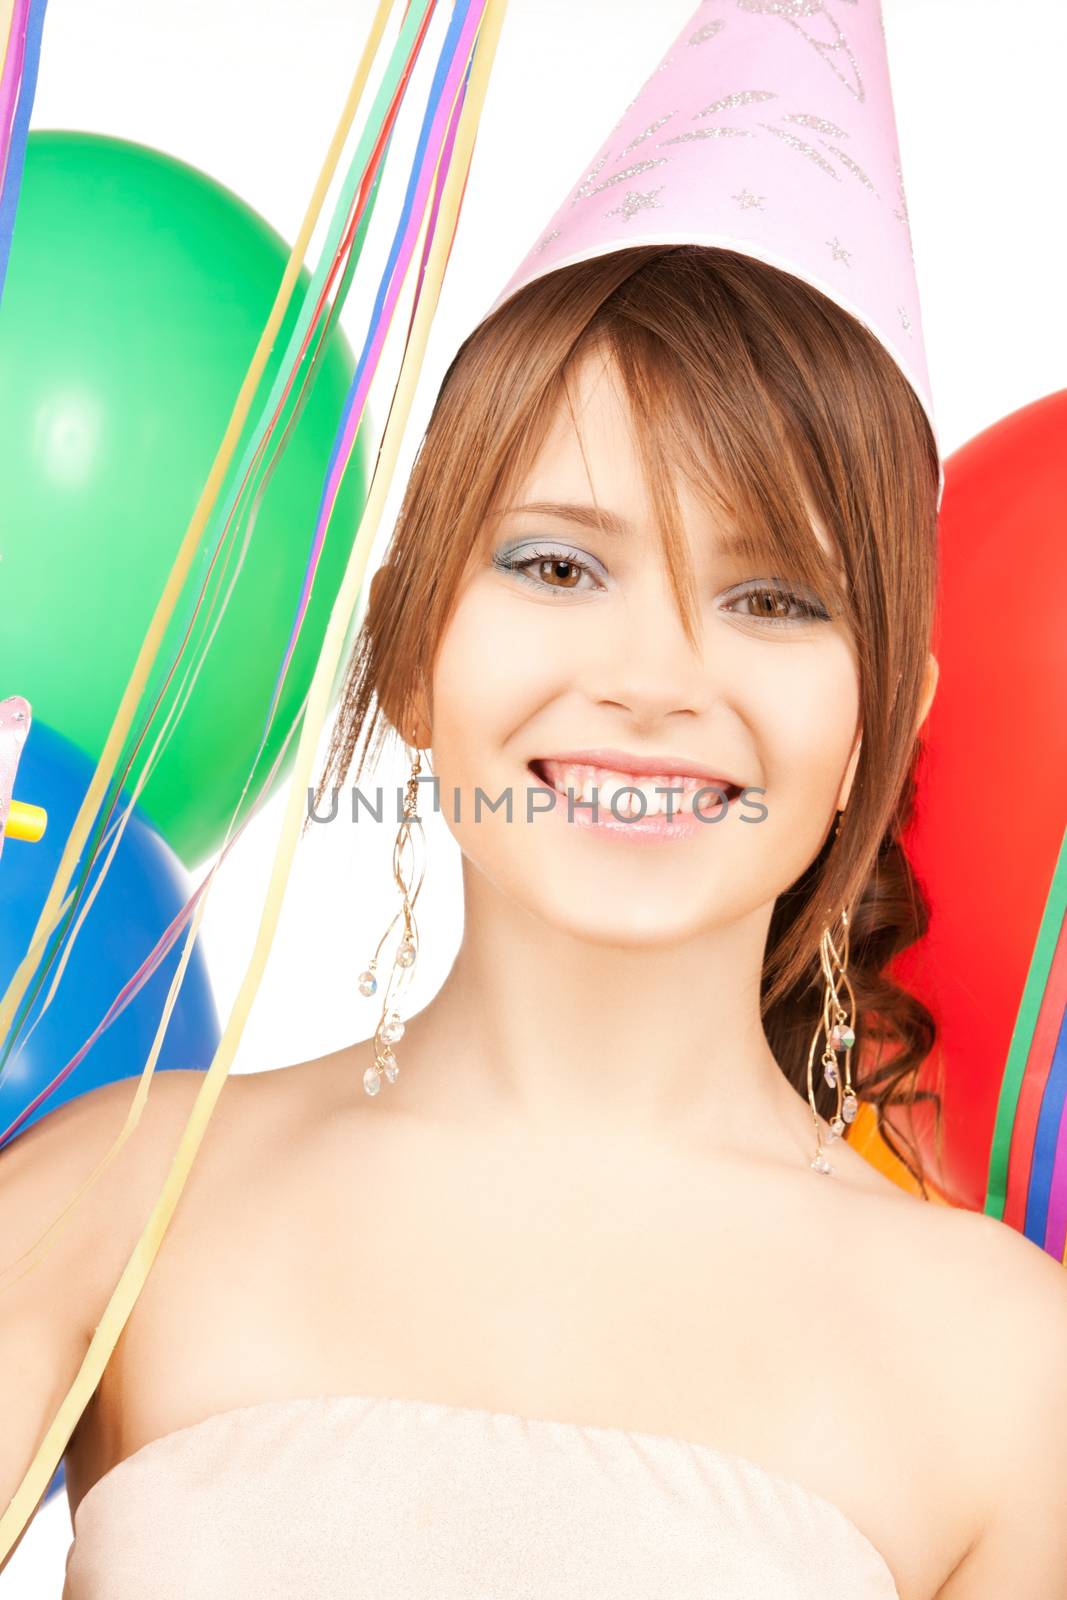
column 567, row 639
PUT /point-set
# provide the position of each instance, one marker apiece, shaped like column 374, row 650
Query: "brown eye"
column 550, row 570
column 567, row 572
column 769, row 603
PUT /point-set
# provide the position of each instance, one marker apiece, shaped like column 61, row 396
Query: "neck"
column 663, row 1043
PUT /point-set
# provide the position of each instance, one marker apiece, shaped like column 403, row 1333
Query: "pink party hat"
column 767, row 128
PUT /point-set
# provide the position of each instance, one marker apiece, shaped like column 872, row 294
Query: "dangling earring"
column 836, row 1023
column 390, row 1028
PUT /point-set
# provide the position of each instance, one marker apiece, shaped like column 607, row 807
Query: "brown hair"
column 772, row 402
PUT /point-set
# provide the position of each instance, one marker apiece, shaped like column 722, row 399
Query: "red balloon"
column 992, row 777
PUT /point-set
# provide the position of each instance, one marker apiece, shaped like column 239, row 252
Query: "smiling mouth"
column 587, row 783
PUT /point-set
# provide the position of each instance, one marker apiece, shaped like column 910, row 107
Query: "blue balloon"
column 145, row 888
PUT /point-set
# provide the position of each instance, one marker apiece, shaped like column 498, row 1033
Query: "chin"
column 615, row 916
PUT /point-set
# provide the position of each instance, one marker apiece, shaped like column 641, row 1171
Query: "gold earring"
column 836, row 1023
column 390, row 1027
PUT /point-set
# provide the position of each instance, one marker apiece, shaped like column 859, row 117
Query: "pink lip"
column 623, row 761
column 654, row 829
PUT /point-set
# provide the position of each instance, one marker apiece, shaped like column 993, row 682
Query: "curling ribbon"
column 128, row 1288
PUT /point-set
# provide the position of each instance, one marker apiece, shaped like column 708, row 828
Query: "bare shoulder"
column 76, row 1186
column 257, row 1116
column 306, row 1095
column 964, row 1323
column 57, row 1156
column 89, row 1163
column 1006, row 1331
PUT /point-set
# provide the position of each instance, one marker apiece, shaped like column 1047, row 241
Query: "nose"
column 644, row 664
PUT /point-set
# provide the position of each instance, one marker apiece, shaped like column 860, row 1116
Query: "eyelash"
column 812, row 611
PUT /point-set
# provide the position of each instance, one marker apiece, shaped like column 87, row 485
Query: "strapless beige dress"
column 388, row 1499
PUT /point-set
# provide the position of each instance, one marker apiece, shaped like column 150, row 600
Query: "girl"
column 570, row 1284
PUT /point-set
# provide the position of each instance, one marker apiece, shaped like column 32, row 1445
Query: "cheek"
column 498, row 662
column 484, row 686
column 808, row 722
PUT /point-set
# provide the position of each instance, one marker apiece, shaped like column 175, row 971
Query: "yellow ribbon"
column 128, row 1288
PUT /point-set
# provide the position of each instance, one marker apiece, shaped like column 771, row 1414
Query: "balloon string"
column 126, row 1292
column 10, row 77
column 163, row 946
column 105, row 767
column 1028, row 1159
column 15, row 1038
column 386, row 132
column 13, row 135
column 433, row 140
column 155, row 958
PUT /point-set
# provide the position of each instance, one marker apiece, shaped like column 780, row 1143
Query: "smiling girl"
column 570, row 1285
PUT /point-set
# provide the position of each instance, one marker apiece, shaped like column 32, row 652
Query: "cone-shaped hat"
column 767, row 128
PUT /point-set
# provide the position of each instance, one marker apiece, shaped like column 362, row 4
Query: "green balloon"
column 137, row 291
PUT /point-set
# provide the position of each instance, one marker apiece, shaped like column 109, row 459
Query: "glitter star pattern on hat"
column 767, row 128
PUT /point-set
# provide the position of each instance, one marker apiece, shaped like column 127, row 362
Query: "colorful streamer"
column 18, row 85
column 448, row 70
column 476, row 29
column 433, row 140
column 395, row 79
column 1027, row 1184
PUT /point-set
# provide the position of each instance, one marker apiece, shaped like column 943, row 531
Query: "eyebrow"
column 589, row 516
column 586, row 516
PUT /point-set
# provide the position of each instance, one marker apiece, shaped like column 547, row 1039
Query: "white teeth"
column 589, row 783
column 609, row 789
column 657, row 803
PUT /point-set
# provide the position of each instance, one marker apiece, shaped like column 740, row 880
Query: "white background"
column 250, row 91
